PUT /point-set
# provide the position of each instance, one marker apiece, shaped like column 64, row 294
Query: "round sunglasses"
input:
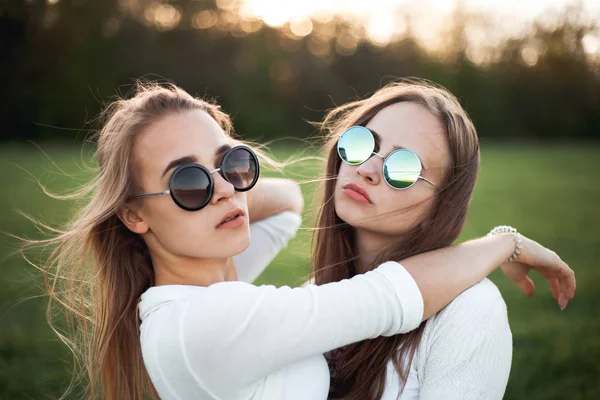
column 401, row 168
column 191, row 185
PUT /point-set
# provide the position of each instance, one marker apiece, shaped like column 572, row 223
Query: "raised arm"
column 272, row 196
column 274, row 208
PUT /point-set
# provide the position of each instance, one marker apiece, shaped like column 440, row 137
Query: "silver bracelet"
column 518, row 239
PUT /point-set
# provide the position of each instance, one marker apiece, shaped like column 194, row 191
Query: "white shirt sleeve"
column 466, row 350
column 234, row 333
column 267, row 237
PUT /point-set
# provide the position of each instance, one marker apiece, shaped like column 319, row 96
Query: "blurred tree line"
column 60, row 59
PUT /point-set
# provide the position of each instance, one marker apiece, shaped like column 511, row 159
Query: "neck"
column 193, row 271
column 370, row 245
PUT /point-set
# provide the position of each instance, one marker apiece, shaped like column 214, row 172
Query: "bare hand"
column 534, row 256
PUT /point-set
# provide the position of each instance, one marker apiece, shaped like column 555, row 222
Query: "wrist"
column 485, row 254
column 515, row 237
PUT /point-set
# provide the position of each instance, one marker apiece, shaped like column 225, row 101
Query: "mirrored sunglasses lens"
column 356, row 145
column 402, row 169
column 190, row 187
column 240, row 168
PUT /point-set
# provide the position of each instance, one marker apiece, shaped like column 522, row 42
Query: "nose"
column 369, row 171
column 222, row 190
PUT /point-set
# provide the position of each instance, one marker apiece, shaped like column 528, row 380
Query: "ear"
column 132, row 219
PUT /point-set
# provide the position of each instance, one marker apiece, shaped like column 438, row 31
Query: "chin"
column 356, row 218
column 227, row 249
column 229, row 245
column 349, row 216
column 239, row 242
column 348, row 211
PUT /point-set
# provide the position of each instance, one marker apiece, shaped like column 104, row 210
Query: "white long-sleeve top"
column 234, row 340
column 465, row 352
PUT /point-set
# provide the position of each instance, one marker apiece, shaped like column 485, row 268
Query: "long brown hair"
column 97, row 269
column 358, row 370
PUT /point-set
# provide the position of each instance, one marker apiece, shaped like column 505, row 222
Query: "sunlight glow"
column 530, row 55
column 204, row 19
column 381, row 28
column 385, row 20
column 591, row 44
column 163, row 17
column 301, row 27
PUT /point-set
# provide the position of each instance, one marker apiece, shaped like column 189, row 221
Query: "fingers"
column 526, row 285
column 560, row 276
column 558, row 287
column 554, row 286
column 568, row 276
column 567, row 290
column 556, row 268
column 562, row 301
column 566, row 282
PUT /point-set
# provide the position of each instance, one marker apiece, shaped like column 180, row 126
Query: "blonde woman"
column 155, row 267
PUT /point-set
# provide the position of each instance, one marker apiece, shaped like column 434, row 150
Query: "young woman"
column 167, row 221
column 401, row 168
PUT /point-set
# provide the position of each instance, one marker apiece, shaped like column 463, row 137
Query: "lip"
column 233, row 223
column 357, row 192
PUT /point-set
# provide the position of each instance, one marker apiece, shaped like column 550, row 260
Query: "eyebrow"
column 178, row 162
column 396, row 147
column 192, row 159
column 220, row 151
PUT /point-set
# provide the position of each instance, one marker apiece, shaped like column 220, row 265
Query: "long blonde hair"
column 358, row 371
column 97, row 269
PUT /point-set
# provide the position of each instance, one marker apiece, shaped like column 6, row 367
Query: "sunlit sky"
column 487, row 23
column 382, row 19
column 280, row 11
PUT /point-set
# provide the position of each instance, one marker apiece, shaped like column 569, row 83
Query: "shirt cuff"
column 409, row 295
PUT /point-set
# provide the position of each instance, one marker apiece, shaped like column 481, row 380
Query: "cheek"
column 405, row 214
column 193, row 233
column 345, row 171
column 405, row 209
column 179, row 231
column 394, row 213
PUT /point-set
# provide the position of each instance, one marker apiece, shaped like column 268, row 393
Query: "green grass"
column 551, row 193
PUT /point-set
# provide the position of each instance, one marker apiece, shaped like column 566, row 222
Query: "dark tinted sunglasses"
column 401, row 169
column 191, row 185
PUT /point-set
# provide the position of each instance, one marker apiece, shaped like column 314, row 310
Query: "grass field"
column 551, row 193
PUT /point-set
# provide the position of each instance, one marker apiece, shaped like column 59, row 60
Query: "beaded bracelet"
column 518, row 239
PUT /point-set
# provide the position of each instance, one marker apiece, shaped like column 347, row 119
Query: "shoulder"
column 478, row 313
column 477, row 301
column 466, row 348
column 188, row 306
column 190, row 321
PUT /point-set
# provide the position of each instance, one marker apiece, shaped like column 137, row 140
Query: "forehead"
column 176, row 135
column 411, row 126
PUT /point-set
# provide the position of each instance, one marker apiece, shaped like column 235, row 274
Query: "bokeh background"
column 528, row 72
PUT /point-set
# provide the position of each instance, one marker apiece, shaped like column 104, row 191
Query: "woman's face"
column 389, row 211
column 181, row 138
